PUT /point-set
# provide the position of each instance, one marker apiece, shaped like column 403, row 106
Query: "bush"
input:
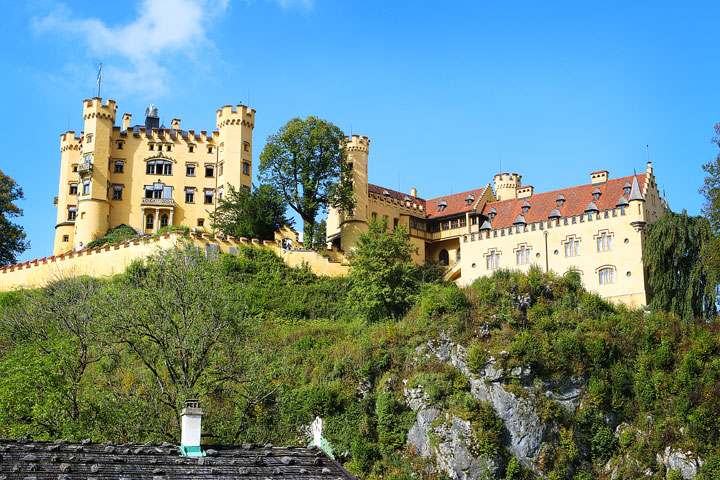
column 476, row 357
column 603, row 443
column 175, row 228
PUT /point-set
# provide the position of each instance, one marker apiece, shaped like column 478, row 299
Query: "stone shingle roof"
column 34, row 460
column 378, row 190
column 576, row 201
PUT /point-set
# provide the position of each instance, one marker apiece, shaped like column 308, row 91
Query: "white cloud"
column 136, row 55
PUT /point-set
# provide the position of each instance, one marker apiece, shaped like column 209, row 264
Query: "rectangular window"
column 374, row 215
column 74, row 168
column 463, row 222
column 191, row 148
column 189, row 170
column 86, row 187
column 395, row 222
column 246, row 146
column 572, row 247
column 209, row 170
column 200, row 222
column 119, row 167
column 446, row 225
column 120, row 145
column 454, row 223
column 246, row 168
column 88, row 158
column 221, row 168
column 149, row 221
column 66, row 238
column 523, row 256
column 72, row 213
column 208, row 196
column 210, row 149
column 493, row 261
column 604, row 243
column 220, row 192
column 474, row 220
column 152, row 147
column 73, row 189
column 169, row 148
column 117, row 192
column 189, row 195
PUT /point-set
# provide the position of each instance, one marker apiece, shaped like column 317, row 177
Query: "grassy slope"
column 298, row 354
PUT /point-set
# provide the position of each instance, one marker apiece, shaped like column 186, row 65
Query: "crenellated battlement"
column 94, row 108
column 357, row 143
column 513, row 180
column 68, row 141
column 236, row 115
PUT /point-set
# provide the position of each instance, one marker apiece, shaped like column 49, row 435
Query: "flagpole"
column 99, row 79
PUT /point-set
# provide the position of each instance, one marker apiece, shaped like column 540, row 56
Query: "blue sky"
column 445, row 90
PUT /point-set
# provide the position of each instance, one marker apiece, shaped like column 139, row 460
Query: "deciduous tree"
column 306, row 161
column 383, row 278
column 256, row 214
column 711, row 208
column 679, row 281
column 12, row 237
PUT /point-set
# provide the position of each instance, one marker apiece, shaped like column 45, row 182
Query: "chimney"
column 175, row 124
column 126, row 121
column 191, row 424
column 599, row 177
column 413, row 192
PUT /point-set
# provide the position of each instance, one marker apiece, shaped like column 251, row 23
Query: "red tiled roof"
column 378, row 190
column 576, row 201
column 455, row 203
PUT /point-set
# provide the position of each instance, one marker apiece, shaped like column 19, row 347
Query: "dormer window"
column 491, row 214
column 442, row 205
column 626, row 188
column 596, row 194
column 469, row 200
column 560, row 200
column 525, row 207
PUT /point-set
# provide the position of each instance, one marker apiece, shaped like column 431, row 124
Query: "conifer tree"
column 12, row 237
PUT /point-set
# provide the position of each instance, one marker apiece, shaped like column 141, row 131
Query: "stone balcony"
column 85, row 168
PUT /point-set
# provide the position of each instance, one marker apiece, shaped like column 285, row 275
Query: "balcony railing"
column 85, row 168
column 55, row 201
column 158, row 202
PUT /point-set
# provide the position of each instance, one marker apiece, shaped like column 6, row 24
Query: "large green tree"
column 12, row 237
column 306, row 161
column 679, row 280
column 256, row 214
column 384, row 280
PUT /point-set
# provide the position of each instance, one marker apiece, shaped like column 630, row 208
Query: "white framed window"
column 73, row 189
column 189, row 195
column 208, row 196
column 572, row 247
column 117, row 192
column 522, row 255
column 492, row 260
column 604, row 241
column 158, row 167
column 119, row 166
column 190, row 170
column 86, row 187
column 606, row 275
column 72, row 212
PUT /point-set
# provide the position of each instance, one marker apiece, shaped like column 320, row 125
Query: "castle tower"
column 506, row 185
column 235, row 126
column 354, row 222
column 66, row 201
column 93, row 207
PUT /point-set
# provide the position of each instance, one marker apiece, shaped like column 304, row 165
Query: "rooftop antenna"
column 647, row 147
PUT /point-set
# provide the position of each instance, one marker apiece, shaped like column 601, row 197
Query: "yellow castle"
column 596, row 229
column 146, row 176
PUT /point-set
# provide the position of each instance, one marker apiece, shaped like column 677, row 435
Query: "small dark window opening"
column 149, row 221
column 209, row 170
column 444, row 257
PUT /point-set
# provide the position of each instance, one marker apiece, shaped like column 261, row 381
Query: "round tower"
column 506, row 185
column 93, row 207
column 354, row 222
column 66, row 201
column 235, row 126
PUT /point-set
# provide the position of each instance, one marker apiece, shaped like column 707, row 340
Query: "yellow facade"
column 146, row 176
column 603, row 243
column 113, row 259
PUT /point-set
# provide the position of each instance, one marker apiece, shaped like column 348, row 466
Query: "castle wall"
column 114, row 259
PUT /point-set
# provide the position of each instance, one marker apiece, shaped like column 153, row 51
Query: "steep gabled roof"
column 576, row 201
column 24, row 459
column 456, row 203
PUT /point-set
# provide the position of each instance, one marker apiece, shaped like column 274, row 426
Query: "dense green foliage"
column 114, row 235
column 679, row 280
column 268, row 348
column 12, row 237
column 383, row 278
column 711, row 209
column 251, row 214
column 307, row 163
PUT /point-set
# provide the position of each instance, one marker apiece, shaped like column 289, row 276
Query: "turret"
column 506, row 185
column 93, row 170
column 351, row 224
column 66, row 200
column 235, row 126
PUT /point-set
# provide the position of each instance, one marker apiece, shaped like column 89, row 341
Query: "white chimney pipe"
column 191, row 417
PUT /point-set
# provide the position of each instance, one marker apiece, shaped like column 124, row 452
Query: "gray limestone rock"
column 683, row 462
column 454, row 452
column 418, row 434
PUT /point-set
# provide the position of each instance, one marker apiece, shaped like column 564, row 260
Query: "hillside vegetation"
column 267, row 348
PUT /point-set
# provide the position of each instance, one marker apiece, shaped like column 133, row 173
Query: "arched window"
column 164, row 220
column 444, row 257
column 149, row 221
column 607, row 275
